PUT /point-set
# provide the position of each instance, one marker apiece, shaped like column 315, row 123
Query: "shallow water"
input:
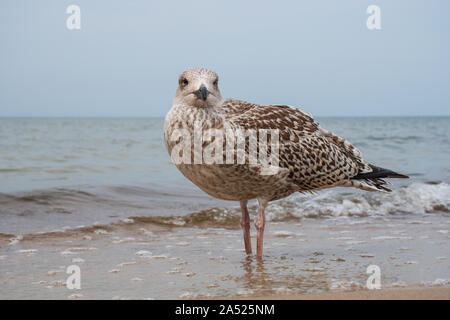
column 100, row 193
column 143, row 260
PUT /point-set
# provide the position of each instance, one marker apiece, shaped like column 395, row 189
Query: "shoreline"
column 409, row 293
column 303, row 259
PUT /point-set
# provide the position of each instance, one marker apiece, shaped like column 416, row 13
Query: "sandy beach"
column 312, row 259
column 390, row 294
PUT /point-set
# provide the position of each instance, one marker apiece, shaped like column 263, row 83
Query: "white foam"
column 174, row 271
column 418, row 198
column 144, row 253
column 244, row 292
column 355, row 242
column 54, row 272
column 436, row 282
column 146, row 232
column 283, row 290
column 440, row 282
column 344, row 285
column 67, row 252
column 77, row 260
column 79, row 249
column 186, row 295
column 124, row 240
column 391, row 238
column 283, row 234
column 27, row 251
column 136, row 279
column 15, row 240
column 101, row 231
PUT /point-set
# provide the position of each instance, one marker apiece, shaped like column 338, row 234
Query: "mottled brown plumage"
column 310, row 158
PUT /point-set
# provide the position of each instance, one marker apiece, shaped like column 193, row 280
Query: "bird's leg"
column 259, row 224
column 245, row 224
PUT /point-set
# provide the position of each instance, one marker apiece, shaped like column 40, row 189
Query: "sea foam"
column 416, row 198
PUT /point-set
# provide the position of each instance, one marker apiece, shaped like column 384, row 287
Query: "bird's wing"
column 316, row 158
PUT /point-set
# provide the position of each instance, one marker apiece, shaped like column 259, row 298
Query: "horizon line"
column 157, row 117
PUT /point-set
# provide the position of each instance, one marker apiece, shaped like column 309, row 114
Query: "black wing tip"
column 378, row 172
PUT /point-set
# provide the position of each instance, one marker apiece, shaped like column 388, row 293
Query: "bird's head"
column 198, row 88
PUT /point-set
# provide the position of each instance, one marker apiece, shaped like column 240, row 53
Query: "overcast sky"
column 317, row 55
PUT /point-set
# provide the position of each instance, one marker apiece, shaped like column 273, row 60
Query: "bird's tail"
column 378, row 172
column 372, row 181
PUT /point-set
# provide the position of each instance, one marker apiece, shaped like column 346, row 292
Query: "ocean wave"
column 215, row 217
column 417, row 198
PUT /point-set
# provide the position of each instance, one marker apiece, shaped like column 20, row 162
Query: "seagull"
column 307, row 157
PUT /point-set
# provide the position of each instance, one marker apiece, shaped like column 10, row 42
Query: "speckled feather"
column 315, row 158
column 310, row 158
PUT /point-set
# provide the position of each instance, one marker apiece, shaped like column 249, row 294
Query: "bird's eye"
column 216, row 82
column 184, row 82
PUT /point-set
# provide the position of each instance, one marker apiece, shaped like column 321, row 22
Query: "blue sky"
column 317, row 55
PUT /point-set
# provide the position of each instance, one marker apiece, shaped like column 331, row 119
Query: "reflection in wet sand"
column 142, row 260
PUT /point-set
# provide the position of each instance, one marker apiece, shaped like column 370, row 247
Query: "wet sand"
column 389, row 294
column 323, row 258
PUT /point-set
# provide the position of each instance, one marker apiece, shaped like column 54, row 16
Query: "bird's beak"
column 202, row 92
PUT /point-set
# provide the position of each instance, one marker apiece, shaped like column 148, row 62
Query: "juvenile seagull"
column 309, row 159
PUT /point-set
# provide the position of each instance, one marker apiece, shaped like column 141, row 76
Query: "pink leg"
column 260, row 222
column 245, row 224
